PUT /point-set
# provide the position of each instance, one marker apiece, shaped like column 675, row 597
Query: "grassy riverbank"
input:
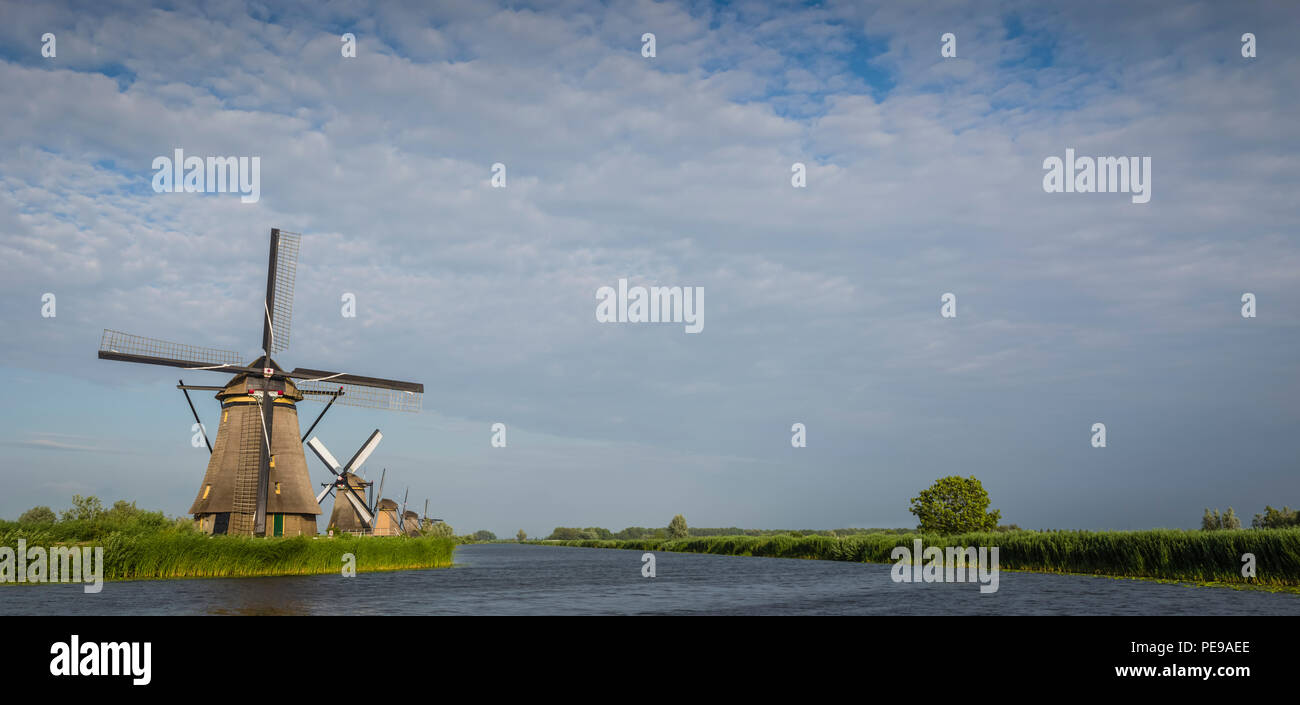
column 1164, row 554
column 187, row 554
column 145, row 545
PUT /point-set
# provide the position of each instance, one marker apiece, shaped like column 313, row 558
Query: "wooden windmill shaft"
column 257, row 463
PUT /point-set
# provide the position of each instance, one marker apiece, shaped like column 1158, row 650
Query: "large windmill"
column 257, row 465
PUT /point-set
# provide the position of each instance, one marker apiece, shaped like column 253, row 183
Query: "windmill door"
column 279, row 525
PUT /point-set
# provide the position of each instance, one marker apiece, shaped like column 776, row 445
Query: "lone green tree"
column 38, row 515
column 84, row 508
column 522, row 536
column 123, row 509
column 955, row 505
column 677, row 528
column 440, row 529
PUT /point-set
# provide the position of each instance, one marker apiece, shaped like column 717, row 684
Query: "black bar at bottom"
column 973, row 655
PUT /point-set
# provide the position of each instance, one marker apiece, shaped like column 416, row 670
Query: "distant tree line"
column 676, row 529
column 84, row 509
column 679, row 529
column 641, row 532
column 600, row 533
column 952, row 505
column 1283, row 518
column 89, row 519
column 1276, row 518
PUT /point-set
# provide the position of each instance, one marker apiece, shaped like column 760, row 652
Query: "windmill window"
column 225, row 415
column 206, row 490
column 277, row 488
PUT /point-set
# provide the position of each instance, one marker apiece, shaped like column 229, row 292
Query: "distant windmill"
column 410, row 520
column 257, row 466
column 387, row 522
column 351, row 511
column 425, row 519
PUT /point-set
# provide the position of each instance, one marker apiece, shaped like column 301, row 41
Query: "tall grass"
column 1200, row 556
column 179, row 553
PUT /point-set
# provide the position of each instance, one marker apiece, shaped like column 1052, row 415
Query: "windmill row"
column 364, row 512
column 257, row 471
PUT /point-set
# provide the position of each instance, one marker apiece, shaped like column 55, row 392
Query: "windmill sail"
column 347, row 482
column 363, row 396
column 116, row 345
column 281, row 273
column 365, row 392
column 363, row 453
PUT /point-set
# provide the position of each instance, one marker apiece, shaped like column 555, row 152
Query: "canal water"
column 523, row 579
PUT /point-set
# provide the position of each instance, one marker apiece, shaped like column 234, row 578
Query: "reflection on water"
column 259, row 596
column 513, row 579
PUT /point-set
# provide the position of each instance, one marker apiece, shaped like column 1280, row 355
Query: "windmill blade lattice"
column 116, row 345
column 285, row 275
column 362, row 396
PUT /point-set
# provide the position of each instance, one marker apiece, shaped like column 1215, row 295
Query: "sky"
column 924, row 176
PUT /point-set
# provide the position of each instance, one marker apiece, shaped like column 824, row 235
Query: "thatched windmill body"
column 347, row 518
column 386, row 521
column 257, row 470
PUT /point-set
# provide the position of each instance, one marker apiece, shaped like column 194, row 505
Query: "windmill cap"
column 239, row 385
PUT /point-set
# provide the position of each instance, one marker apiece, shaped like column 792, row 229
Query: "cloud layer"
column 924, row 177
